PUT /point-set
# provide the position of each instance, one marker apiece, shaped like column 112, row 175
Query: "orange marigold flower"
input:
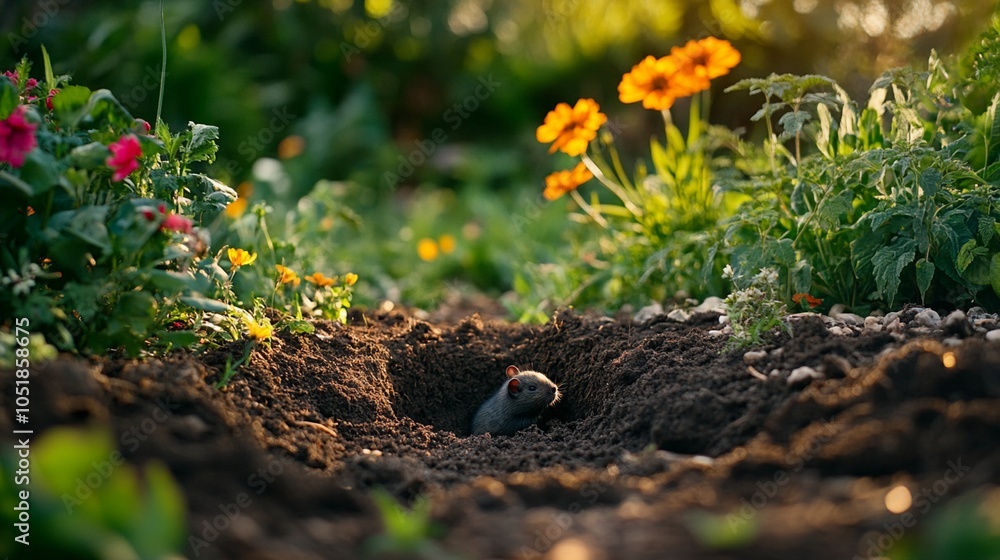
column 562, row 182
column 320, row 280
column 571, row 129
column 240, row 257
column 655, row 82
column 811, row 301
column 706, row 59
column 287, row 275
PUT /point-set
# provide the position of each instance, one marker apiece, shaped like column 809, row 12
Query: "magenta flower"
column 124, row 158
column 176, row 222
column 48, row 100
column 17, row 137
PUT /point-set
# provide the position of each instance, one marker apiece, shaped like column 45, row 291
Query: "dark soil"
column 663, row 446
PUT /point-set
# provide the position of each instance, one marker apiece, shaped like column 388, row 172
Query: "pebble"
column 957, row 323
column 803, row 373
column 873, row 325
column 851, row 319
column 840, row 331
column 754, row 356
column 993, row 335
column 928, row 318
column 711, row 303
column 978, row 313
column 648, row 312
column 679, row 315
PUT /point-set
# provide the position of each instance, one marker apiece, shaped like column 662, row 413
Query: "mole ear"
column 512, row 371
column 514, row 386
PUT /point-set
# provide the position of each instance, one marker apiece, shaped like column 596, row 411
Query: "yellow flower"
column 350, row 279
column 287, row 275
column 239, row 257
column 320, row 280
column 571, row 129
column 258, row 331
column 447, row 243
column 427, row 249
column 562, row 182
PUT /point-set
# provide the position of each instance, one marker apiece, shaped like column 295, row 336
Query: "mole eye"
column 531, row 387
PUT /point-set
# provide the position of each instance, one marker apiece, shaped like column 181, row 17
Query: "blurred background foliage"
column 370, row 128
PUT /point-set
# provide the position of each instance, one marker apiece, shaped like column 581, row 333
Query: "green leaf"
column 202, row 146
column 888, row 264
column 925, row 273
column 171, row 282
column 205, row 304
column 987, row 227
column 930, row 181
column 794, row 121
column 300, row 327
column 11, row 182
column 86, row 223
column 41, row 171
column 104, row 105
column 968, row 253
column 69, row 104
column 9, row 97
column 995, row 273
column 89, row 156
column 50, row 78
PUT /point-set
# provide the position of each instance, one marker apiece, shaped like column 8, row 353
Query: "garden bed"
column 663, row 445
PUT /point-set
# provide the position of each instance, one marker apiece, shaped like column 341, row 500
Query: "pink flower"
column 48, row 100
column 12, row 76
column 176, row 222
column 140, row 123
column 17, row 137
column 124, row 156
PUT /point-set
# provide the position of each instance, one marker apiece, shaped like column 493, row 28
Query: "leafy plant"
column 104, row 243
column 406, row 531
column 88, row 502
column 755, row 308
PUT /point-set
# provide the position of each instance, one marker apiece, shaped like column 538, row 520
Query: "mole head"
column 532, row 388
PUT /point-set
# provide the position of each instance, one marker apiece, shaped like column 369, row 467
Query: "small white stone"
column 716, row 333
column 754, row 356
column 840, row 331
column 678, row 315
column 993, row 335
column 837, row 309
column 851, row 319
column 895, row 325
column 890, row 317
column 952, row 341
column 774, row 373
column 955, row 317
column 928, row 318
column 803, row 373
column 723, row 319
column 873, row 325
column 648, row 312
column 711, row 303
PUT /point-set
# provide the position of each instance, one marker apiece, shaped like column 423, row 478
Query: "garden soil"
column 664, row 445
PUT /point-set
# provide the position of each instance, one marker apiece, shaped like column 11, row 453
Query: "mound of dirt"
column 664, row 444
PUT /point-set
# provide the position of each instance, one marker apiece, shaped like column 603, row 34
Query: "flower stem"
column 594, row 214
column 611, row 185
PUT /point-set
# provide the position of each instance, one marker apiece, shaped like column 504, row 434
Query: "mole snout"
column 518, row 404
